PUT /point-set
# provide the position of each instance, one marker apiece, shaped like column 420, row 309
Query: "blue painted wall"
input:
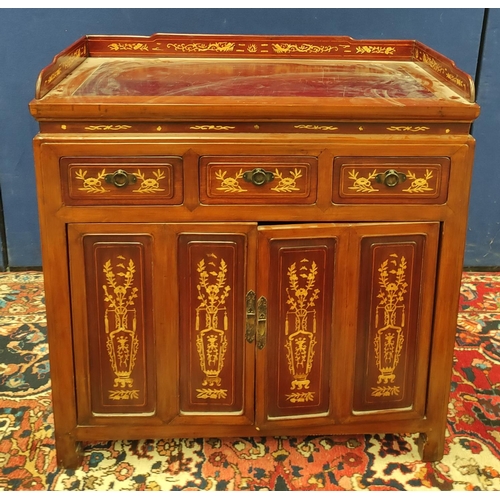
column 483, row 238
column 29, row 38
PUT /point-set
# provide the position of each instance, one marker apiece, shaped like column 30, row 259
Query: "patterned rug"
column 377, row 462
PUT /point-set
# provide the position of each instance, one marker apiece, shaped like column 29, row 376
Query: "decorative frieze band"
column 261, row 127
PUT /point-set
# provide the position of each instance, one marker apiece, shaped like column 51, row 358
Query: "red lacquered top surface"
column 164, row 77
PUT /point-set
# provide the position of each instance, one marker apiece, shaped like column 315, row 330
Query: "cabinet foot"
column 431, row 446
column 69, row 452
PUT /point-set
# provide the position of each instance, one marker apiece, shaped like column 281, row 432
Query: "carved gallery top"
column 183, row 77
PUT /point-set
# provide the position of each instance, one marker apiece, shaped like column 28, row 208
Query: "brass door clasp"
column 256, row 319
column 261, row 322
column 250, row 315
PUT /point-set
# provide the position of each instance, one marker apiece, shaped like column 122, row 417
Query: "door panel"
column 296, row 358
column 215, row 272
column 113, row 320
column 394, row 316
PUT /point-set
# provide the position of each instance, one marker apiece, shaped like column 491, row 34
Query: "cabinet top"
column 235, row 77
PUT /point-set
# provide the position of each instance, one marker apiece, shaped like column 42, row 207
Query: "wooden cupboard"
column 251, row 236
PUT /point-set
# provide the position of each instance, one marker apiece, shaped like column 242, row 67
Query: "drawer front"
column 390, row 179
column 254, row 180
column 139, row 180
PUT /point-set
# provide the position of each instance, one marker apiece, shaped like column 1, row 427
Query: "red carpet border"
column 343, row 463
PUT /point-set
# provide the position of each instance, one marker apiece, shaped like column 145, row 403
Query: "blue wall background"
column 29, row 38
column 483, row 238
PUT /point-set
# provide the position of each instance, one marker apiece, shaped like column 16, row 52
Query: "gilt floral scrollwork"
column 151, row 185
column 211, row 339
column 287, row 184
column 438, row 67
column 120, row 325
column 230, row 184
column 301, row 335
column 92, row 185
column 419, row 184
column 390, row 323
column 203, row 47
column 362, row 184
column 212, row 127
column 108, row 127
column 287, row 48
column 137, row 46
column 407, row 128
column 375, row 49
column 316, row 127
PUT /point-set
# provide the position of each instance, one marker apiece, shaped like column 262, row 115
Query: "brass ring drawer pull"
column 391, row 178
column 258, row 176
column 120, row 178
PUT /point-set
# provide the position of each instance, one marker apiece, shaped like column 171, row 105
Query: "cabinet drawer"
column 254, row 180
column 142, row 180
column 390, row 179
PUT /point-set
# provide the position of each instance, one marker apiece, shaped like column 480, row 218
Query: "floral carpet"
column 360, row 462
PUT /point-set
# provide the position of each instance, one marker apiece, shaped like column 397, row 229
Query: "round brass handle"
column 258, row 176
column 120, row 178
column 391, row 178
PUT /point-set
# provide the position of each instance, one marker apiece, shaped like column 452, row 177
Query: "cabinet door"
column 113, row 319
column 300, row 286
column 216, row 269
column 394, row 316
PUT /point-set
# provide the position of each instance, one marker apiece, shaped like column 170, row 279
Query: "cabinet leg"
column 68, row 451
column 431, row 446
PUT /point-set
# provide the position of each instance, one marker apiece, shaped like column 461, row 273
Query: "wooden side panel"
column 212, row 286
column 118, row 283
column 393, row 320
column 299, row 324
column 276, row 179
